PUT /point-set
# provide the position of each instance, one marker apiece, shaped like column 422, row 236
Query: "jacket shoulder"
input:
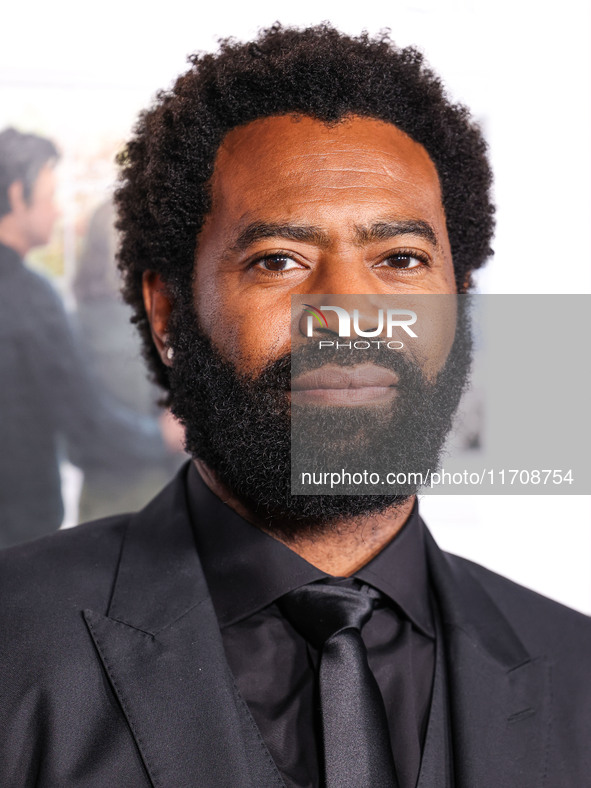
column 542, row 623
column 74, row 567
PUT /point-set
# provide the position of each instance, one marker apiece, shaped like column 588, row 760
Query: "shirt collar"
column 247, row 570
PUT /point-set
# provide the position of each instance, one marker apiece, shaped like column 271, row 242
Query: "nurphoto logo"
column 389, row 319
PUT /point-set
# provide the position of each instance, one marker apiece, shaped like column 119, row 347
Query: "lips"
column 337, row 385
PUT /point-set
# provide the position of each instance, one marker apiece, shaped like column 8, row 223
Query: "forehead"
column 287, row 165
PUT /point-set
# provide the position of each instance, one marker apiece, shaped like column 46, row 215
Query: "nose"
column 341, row 274
column 338, row 315
column 347, row 283
column 314, row 321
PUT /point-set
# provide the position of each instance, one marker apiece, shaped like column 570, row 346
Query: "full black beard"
column 241, row 426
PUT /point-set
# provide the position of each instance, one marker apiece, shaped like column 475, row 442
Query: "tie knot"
column 320, row 610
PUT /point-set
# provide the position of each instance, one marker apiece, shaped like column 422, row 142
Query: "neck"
column 342, row 548
column 11, row 236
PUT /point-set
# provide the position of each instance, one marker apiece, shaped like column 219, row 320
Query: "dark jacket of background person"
column 112, row 351
column 50, row 407
column 113, row 673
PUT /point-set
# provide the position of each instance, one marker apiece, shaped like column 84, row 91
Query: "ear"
column 158, row 306
column 16, row 197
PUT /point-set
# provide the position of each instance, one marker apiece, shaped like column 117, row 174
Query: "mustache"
column 306, row 358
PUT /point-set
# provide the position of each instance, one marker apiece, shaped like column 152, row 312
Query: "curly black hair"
column 163, row 197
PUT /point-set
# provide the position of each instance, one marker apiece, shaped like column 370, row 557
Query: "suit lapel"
column 499, row 694
column 161, row 648
column 160, row 645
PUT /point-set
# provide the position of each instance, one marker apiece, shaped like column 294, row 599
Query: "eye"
column 405, row 260
column 276, row 263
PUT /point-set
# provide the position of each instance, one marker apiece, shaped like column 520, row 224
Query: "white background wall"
column 82, row 72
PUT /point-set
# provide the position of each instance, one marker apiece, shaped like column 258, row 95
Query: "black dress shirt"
column 247, row 571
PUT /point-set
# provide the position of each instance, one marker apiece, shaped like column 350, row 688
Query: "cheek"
column 435, row 329
column 45, row 216
column 436, row 347
column 252, row 340
column 42, row 223
column 249, row 334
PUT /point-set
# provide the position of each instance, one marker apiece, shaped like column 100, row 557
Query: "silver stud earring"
column 169, row 353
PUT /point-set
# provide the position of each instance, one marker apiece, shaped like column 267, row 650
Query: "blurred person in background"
column 112, row 350
column 50, row 407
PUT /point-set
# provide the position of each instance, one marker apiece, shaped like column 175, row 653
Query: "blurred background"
column 79, row 74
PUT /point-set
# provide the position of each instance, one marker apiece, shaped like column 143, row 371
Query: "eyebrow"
column 378, row 231
column 383, row 230
column 258, row 231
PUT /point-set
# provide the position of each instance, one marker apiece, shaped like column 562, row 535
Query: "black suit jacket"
column 112, row 670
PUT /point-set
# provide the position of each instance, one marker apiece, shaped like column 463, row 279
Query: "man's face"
column 361, row 197
column 36, row 216
column 305, row 208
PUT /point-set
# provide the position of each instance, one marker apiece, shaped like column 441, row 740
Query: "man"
column 50, row 405
column 194, row 643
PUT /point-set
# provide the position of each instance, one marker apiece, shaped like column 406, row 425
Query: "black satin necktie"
column 357, row 750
